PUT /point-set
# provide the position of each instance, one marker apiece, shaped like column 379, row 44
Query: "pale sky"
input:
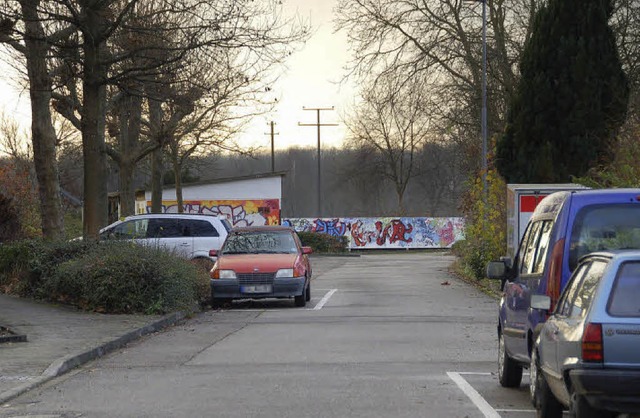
column 311, row 79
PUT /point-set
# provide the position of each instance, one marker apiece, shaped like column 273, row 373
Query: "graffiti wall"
column 365, row 233
column 239, row 212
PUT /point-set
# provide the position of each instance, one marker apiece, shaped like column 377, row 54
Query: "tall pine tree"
column 571, row 99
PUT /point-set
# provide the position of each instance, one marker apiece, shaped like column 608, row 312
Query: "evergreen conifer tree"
column 571, row 99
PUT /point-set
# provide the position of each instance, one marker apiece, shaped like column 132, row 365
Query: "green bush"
column 485, row 229
column 111, row 277
column 324, row 243
column 25, row 264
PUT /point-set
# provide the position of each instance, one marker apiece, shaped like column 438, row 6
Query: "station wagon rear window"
column 625, row 296
column 604, row 227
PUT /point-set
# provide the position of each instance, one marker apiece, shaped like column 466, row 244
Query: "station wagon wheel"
column 543, row 400
column 307, row 294
column 509, row 371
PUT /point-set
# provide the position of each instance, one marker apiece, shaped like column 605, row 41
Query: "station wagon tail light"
column 592, row 343
column 555, row 273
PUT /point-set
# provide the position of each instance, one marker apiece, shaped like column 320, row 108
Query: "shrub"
column 122, row 277
column 485, row 230
column 18, row 184
column 112, row 277
column 24, row 264
column 324, row 243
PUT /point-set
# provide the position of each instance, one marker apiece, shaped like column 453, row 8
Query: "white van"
column 189, row 235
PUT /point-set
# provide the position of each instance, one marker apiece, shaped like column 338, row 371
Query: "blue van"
column 564, row 227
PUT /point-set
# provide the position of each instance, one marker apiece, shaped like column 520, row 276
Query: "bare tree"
column 440, row 43
column 12, row 140
column 125, row 44
column 443, row 38
column 228, row 94
column 22, row 28
column 393, row 123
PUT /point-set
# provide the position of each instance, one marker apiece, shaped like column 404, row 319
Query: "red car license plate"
column 263, row 288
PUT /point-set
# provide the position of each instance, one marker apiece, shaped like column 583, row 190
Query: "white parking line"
column 324, row 299
column 484, row 407
column 516, row 411
column 319, row 306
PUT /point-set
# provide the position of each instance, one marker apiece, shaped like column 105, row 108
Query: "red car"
column 261, row 262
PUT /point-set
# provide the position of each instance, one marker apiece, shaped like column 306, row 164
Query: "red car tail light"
column 592, row 343
column 555, row 273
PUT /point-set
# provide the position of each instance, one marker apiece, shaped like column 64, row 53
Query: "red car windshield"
column 260, row 242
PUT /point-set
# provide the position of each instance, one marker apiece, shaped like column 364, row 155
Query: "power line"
column 318, row 125
column 273, row 155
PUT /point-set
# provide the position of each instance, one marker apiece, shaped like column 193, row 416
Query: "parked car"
column 261, row 262
column 564, row 227
column 587, row 355
column 189, row 235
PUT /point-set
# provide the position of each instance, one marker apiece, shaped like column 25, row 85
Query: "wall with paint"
column 239, row 212
column 245, row 201
column 386, row 233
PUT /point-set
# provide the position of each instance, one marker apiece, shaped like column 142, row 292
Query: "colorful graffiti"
column 239, row 212
column 386, row 232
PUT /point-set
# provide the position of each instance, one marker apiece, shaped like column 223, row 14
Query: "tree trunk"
column 177, row 169
column 43, row 135
column 157, row 134
column 127, row 192
column 130, row 115
column 400, row 192
column 93, row 127
column 157, row 169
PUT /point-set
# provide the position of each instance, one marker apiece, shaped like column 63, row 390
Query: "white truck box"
column 522, row 199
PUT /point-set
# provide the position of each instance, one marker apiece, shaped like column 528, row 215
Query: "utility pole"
column 273, row 155
column 318, row 125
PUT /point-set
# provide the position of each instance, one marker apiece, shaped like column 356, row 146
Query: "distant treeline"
column 351, row 185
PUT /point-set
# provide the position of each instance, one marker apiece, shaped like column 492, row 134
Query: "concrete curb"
column 67, row 363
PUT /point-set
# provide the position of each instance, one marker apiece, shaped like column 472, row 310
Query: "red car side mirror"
column 213, row 253
column 307, row 250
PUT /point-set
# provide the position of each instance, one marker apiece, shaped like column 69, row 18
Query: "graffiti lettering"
column 239, row 212
column 387, row 232
column 332, row 227
column 359, row 237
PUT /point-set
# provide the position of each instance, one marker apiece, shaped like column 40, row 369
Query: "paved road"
column 385, row 335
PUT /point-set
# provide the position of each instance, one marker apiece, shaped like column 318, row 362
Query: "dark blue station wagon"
column 564, row 227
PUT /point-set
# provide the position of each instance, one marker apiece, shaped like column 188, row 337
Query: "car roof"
column 613, row 191
column 551, row 205
column 174, row 215
column 263, row 228
column 625, row 253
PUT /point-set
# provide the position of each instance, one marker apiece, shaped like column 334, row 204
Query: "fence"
column 386, row 233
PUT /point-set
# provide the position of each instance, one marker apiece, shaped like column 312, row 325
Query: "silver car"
column 191, row 236
column 587, row 355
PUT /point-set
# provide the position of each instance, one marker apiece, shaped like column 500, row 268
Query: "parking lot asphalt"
column 42, row 341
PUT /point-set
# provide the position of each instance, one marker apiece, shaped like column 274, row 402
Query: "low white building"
column 246, row 200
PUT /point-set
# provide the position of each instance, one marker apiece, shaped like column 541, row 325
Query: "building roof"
column 230, row 179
